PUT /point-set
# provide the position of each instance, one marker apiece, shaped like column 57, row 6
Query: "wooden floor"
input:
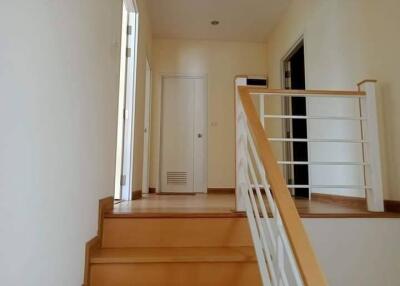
column 223, row 205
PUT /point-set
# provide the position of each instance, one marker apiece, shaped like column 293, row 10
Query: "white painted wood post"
column 261, row 107
column 372, row 148
column 241, row 147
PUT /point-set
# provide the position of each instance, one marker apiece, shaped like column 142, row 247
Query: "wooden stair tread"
column 172, row 255
column 233, row 214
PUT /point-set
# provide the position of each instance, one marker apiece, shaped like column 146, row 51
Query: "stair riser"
column 176, row 274
column 175, row 232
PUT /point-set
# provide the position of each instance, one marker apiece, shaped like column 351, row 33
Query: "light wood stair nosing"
column 172, row 255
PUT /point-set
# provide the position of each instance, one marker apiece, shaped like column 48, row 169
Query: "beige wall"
column 144, row 50
column 59, row 73
column 221, row 62
column 346, row 42
column 356, row 252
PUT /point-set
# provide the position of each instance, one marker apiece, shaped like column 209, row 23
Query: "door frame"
column 204, row 77
column 127, row 100
column 147, row 129
column 286, row 106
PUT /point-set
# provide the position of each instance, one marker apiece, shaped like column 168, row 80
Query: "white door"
column 146, row 135
column 183, row 142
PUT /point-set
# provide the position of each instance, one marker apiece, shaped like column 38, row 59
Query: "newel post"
column 241, row 146
column 373, row 174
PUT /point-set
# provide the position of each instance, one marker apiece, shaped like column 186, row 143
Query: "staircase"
column 178, row 250
column 267, row 246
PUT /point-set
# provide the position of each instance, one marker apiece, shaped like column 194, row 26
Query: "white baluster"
column 262, row 112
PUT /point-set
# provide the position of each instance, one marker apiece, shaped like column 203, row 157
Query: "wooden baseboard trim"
column 105, row 205
column 353, row 202
column 176, row 193
column 392, row 206
column 90, row 246
column 228, row 214
column 209, row 191
column 137, row 195
column 221, row 190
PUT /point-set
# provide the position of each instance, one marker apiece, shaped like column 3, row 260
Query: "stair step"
column 194, row 266
column 129, row 232
column 172, row 254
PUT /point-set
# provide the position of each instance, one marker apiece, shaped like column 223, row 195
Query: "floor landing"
column 223, row 205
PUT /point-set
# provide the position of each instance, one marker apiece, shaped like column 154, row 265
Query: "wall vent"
column 177, row 178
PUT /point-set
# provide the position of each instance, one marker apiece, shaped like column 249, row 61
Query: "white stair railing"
column 353, row 138
column 271, row 242
column 284, row 253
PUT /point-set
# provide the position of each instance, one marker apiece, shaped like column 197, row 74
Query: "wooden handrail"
column 261, row 90
column 365, row 81
column 304, row 254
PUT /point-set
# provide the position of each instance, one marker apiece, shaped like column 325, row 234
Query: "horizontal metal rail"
column 355, row 96
column 322, row 163
column 299, row 93
column 355, row 187
column 274, row 139
column 315, row 117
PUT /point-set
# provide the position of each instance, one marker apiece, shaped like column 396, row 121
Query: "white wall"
column 357, row 252
column 59, row 71
column 346, row 42
column 220, row 61
column 144, row 50
column 338, row 152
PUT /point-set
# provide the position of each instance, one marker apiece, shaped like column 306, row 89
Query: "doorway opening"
column 146, row 130
column 294, row 78
column 183, row 163
column 126, row 101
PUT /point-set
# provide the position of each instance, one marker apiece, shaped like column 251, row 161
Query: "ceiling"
column 240, row 20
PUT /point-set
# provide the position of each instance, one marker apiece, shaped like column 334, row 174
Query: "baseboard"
column 90, row 246
column 209, row 191
column 105, row 204
column 354, row 202
column 136, row 195
column 176, row 193
column 392, row 206
column 221, row 190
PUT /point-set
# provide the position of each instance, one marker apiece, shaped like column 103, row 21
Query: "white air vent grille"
column 177, row 178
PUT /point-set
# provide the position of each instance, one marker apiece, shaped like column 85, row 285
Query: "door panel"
column 177, row 145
